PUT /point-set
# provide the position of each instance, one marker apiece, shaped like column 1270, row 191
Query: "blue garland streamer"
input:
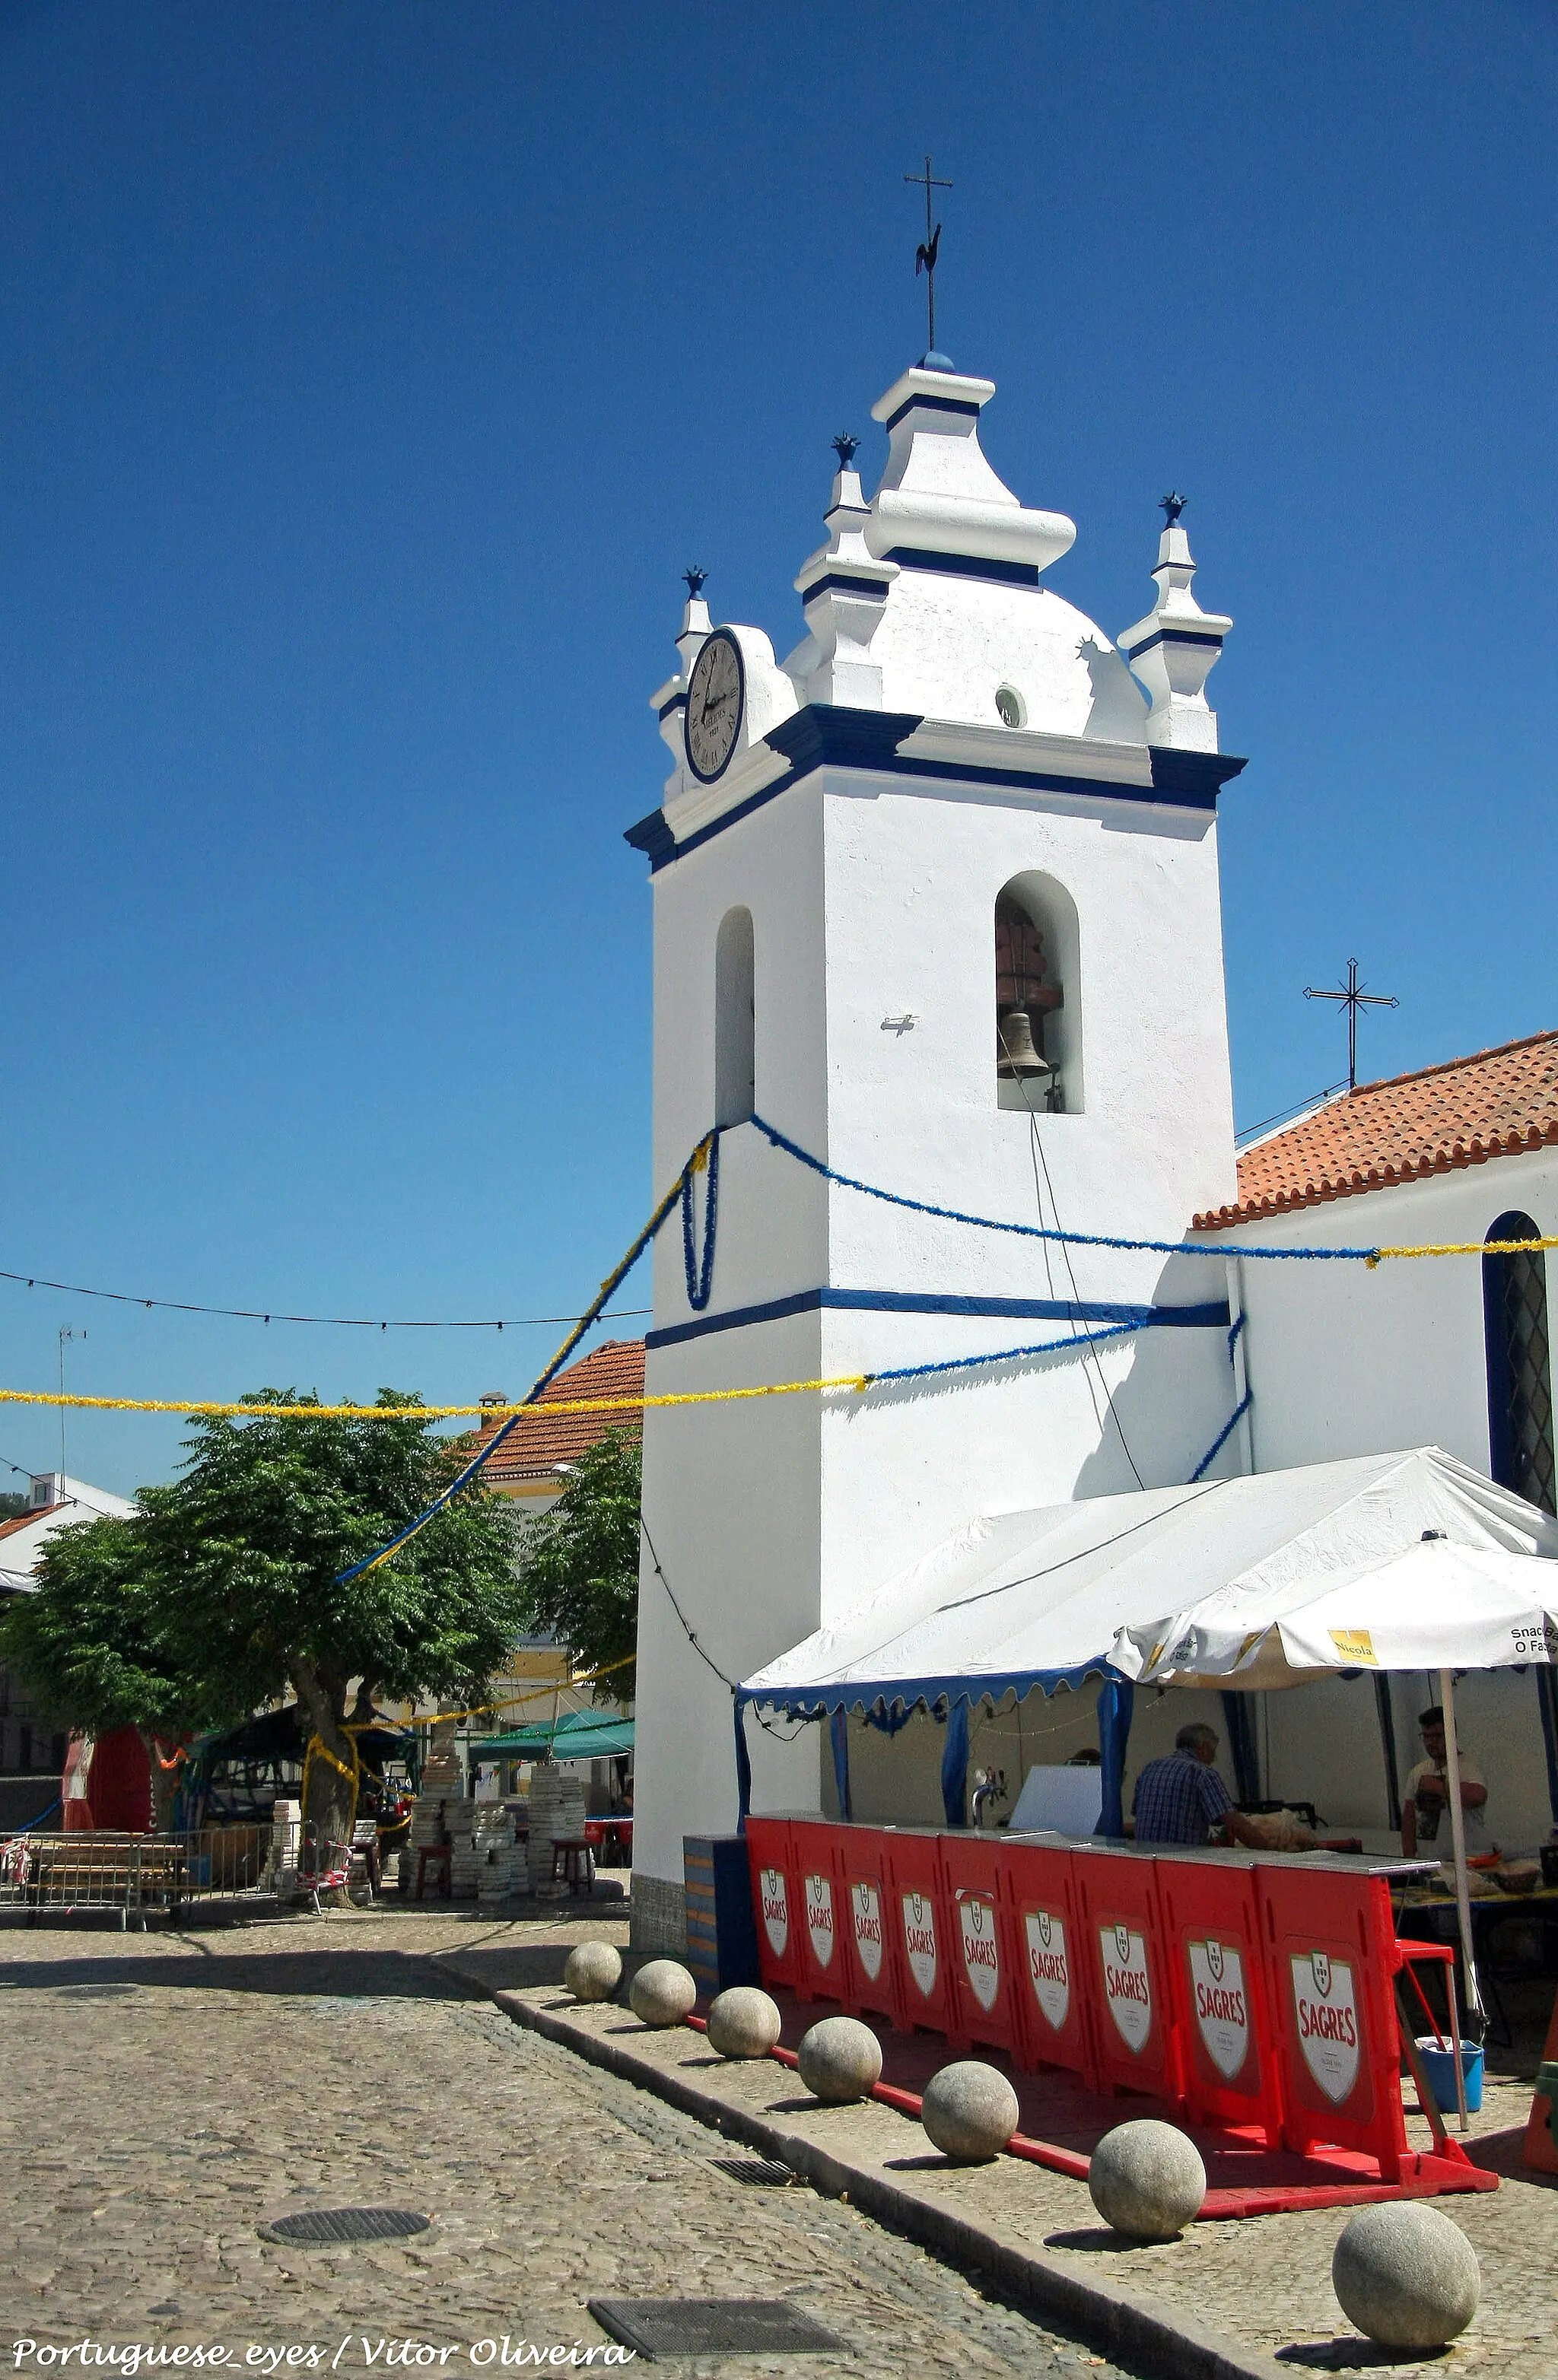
column 1042, row 1231
column 701, row 1276
column 1223, row 1435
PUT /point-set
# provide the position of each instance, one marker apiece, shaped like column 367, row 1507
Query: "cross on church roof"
column 925, row 257
column 1353, row 997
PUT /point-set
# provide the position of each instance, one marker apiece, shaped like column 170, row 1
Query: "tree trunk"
column 164, row 1784
column 329, row 1798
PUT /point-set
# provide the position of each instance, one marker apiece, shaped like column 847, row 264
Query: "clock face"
column 715, row 696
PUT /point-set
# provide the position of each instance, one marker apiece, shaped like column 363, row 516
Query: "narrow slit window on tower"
column 1520, row 1435
column 735, row 1019
column 1036, row 1038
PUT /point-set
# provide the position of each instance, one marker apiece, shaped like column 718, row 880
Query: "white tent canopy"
column 1212, row 1582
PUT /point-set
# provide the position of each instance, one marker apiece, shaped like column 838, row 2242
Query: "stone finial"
column 1174, row 648
column 669, row 701
column 844, row 587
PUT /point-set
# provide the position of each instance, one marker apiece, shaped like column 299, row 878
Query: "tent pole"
column 1387, row 1744
column 1463, row 1897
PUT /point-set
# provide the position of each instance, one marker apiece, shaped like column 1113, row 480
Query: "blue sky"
column 371, row 372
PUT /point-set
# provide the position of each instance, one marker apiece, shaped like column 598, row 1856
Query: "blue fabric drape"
column 955, row 1762
column 838, row 1728
column 1117, row 1700
column 1239, row 1716
column 743, row 1769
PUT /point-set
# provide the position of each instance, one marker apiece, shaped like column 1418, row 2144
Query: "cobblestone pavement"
column 1264, row 2284
column 167, row 2095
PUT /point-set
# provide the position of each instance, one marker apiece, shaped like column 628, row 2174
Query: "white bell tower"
column 936, row 898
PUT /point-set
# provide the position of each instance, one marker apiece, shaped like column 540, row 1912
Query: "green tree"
column 249, row 1545
column 234, row 1570
column 578, row 1563
column 88, row 1643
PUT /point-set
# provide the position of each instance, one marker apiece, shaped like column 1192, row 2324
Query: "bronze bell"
column 1019, row 1054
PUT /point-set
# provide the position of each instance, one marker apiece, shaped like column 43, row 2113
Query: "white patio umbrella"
column 1437, row 1605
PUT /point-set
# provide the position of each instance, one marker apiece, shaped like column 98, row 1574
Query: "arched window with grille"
column 1519, row 1366
column 735, row 1018
column 1037, row 1019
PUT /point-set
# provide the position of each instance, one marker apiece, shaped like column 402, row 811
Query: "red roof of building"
column 540, row 1442
column 25, row 1519
column 1496, row 1103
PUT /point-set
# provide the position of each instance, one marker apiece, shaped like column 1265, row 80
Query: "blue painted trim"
column 905, row 1693
column 1173, row 637
column 962, row 405
column 965, row 565
column 677, row 702
column 826, row 735
column 841, row 582
column 1210, row 1315
column 655, row 839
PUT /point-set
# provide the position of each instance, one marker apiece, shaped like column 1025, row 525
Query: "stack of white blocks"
column 287, row 1833
column 502, row 1869
column 557, row 1813
column 459, row 1820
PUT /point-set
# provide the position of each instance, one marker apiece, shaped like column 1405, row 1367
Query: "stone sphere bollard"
column 662, row 1993
column 969, row 2111
column 593, row 1971
column 743, row 2022
column 839, row 2061
column 1146, row 2180
column 1406, row 2275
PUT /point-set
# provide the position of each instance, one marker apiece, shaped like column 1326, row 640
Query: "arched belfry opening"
column 735, row 1018
column 1038, row 997
column 1520, row 1437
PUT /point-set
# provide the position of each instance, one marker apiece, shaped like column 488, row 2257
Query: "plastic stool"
column 442, row 1856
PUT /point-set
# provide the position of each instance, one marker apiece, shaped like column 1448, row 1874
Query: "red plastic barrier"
column 775, row 1899
column 922, row 1946
column 1040, row 1891
column 983, row 1956
column 1211, row 1930
column 871, row 1935
column 1136, row 2037
column 1329, row 1945
column 822, row 1972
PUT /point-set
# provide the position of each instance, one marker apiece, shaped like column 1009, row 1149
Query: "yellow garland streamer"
column 857, row 1381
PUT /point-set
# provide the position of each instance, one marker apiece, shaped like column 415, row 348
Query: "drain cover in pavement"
column 321, row 2225
column 657, row 2326
column 766, row 2172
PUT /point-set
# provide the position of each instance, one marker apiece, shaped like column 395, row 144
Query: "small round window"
column 1010, row 704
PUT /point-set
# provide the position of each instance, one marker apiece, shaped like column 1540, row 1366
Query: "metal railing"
column 137, row 1876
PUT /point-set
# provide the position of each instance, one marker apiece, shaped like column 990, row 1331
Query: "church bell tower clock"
column 936, row 900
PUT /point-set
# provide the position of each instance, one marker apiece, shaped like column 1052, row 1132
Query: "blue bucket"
column 1439, row 2065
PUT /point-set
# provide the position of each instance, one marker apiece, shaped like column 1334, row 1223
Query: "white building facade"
column 937, row 901
column 1453, row 1351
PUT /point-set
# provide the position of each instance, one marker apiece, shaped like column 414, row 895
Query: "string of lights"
column 320, row 1321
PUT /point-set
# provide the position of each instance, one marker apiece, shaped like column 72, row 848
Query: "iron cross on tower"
column 1353, row 997
column 925, row 254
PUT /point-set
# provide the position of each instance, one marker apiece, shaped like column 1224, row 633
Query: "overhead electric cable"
column 320, row 1321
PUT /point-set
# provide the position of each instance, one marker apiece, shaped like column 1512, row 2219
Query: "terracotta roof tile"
column 25, row 1519
column 1496, row 1103
column 536, row 1446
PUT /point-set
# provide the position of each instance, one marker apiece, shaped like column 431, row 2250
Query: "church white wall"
column 869, row 901
column 1343, row 1359
column 1346, row 1359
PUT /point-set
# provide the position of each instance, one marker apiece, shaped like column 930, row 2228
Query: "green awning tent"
column 578, row 1735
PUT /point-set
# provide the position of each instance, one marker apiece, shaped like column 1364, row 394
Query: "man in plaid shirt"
column 1177, row 1799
